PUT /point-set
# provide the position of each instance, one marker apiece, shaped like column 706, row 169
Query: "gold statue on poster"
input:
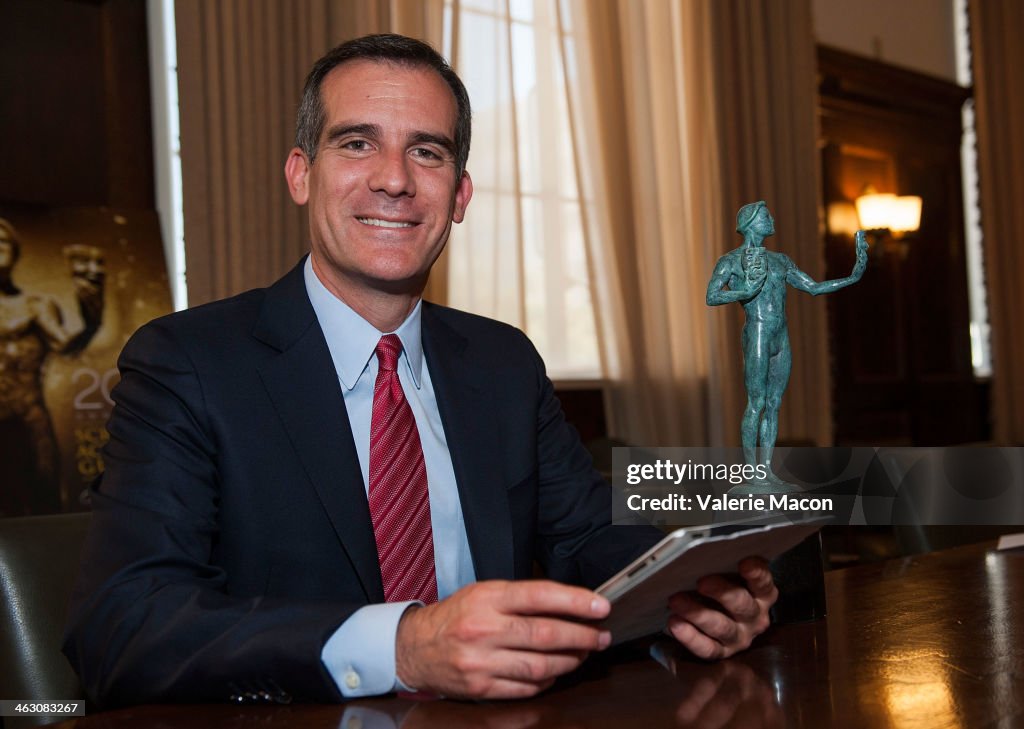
column 32, row 327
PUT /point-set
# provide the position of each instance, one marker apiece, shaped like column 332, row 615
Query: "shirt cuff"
column 360, row 655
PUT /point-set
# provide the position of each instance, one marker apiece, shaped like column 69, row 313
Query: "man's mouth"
column 378, row 222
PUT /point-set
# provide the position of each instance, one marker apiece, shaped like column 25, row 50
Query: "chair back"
column 39, row 558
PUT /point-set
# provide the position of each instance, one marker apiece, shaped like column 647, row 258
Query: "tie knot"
column 388, row 349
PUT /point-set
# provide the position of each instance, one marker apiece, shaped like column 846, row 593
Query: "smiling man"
column 329, row 488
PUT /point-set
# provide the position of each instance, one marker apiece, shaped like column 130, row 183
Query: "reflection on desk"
column 928, row 641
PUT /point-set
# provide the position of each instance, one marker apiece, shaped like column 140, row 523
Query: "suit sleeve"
column 577, row 541
column 150, row 618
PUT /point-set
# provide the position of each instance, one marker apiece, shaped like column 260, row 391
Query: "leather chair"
column 38, row 562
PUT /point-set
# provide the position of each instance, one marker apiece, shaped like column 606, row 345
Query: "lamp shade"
column 884, row 210
column 906, row 214
column 875, row 210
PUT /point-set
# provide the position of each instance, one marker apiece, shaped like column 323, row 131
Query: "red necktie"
column 399, row 503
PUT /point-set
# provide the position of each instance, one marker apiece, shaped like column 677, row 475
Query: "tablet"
column 639, row 592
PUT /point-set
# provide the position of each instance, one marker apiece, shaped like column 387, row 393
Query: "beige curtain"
column 241, row 65
column 520, row 255
column 654, row 191
column 689, row 125
column 998, row 67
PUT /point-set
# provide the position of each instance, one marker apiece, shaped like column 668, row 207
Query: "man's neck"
column 384, row 310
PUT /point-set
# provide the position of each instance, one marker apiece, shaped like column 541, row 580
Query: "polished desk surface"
column 929, row 641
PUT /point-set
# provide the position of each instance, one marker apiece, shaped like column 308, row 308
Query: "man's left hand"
column 741, row 613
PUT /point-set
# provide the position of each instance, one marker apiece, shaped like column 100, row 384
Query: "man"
column 240, row 547
column 757, row 278
column 31, row 327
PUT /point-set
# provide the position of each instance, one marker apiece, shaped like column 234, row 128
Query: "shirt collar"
column 352, row 340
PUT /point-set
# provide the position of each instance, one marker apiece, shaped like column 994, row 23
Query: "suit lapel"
column 303, row 385
column 465, row 399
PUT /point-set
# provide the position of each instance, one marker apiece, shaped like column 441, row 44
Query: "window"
column 520, row 256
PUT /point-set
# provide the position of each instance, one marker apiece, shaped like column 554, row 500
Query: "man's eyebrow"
column 343, row 130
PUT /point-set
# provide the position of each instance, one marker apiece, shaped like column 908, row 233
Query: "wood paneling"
column 75, row 121
column 900, row 338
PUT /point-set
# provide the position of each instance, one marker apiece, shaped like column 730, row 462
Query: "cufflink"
column 352, row 680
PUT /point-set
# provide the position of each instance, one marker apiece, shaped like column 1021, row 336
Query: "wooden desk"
column 929, row 641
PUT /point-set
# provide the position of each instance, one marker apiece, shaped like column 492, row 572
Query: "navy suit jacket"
column 231, row 534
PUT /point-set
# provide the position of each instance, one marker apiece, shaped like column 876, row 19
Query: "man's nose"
column 392, row 174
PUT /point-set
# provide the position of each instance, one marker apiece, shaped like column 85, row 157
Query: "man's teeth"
column 384, row 223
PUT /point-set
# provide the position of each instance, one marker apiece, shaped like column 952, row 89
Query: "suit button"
column 352, row 680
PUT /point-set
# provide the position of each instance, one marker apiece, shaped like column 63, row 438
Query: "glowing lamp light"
column 874, row 208
column 906, row 214
column 883, row 210
column 841, row 218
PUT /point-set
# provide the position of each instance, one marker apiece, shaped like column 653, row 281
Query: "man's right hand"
column 498, row 639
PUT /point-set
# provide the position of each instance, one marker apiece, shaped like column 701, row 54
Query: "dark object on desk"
column 800, row 577
column 38, row 560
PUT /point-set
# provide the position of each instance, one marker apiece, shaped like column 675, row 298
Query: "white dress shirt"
column 360, row 655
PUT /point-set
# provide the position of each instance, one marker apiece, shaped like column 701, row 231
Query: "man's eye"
column 356, row 145
column 427, row 155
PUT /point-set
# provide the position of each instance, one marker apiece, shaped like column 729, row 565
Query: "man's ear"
column 296, row 172
column 463, row 194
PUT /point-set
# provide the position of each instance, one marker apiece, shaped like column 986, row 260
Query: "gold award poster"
column 75, row 283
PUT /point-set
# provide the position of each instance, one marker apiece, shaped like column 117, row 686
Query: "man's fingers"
column 737, row 601
column 535, row 668
column 507, row 674
column 544, row 597
column 758, row 576
column 698, row 643
column 551, row 634
column 709, row 621
column 713, row 633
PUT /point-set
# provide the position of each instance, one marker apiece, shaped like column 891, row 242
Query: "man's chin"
column 398, row 284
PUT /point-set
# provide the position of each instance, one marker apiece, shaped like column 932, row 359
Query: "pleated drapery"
column 998, row 67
